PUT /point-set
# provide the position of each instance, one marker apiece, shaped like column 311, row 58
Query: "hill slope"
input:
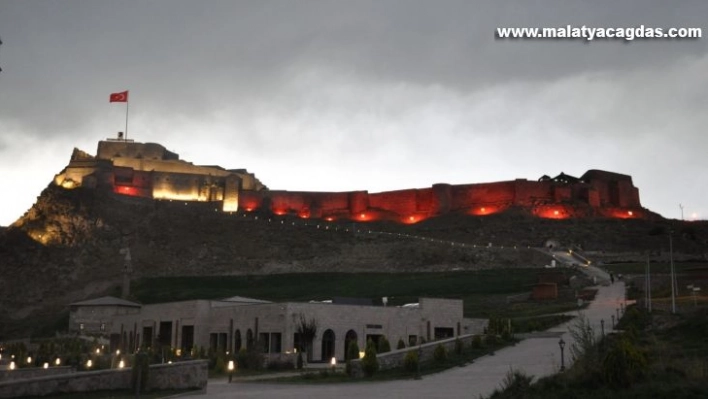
column 68, row 245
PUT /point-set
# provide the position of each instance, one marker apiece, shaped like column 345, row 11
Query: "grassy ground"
column 484, row 292
column 656, row 267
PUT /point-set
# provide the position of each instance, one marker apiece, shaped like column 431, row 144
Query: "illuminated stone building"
column 230, row 324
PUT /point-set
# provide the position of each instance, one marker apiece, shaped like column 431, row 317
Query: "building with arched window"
column 231, row 324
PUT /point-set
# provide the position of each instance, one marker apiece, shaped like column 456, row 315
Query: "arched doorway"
column 249, row 339
column 348, row 339
column 327, row 345
column 237, row 341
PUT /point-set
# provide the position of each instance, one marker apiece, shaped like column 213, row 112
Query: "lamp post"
column 561, row 343
column 602, row 326
column 673, row 275
column 613, row 322
column 617, row 310
column 231, row 368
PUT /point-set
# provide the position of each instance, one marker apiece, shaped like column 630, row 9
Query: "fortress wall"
column 628, row 195
column 128, row 149
column 330, row 202
column 176, row 186
column 358, row 201
column 424, row 200
column 250, row 200
column 402, row 202
column 468, row 196
column 441, row 198
column 528, row 192
column 284, row 202
column 562, row 193
column 169, row 166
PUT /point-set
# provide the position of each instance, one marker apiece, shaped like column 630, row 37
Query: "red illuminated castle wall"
column 150, row 171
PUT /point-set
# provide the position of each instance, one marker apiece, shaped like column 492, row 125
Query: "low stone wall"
column 25, row 373
column 394, row 359
column 180, row 375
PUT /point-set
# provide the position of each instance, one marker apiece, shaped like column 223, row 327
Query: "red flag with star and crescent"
column 121, row 97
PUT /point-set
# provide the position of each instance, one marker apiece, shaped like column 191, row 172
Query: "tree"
column 308, row 331
column 370, row 364
column 352, row 354
column 384, row 346
column 401, row 344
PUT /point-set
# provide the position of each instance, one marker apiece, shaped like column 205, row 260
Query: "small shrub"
column 352, row 354
column 401, row 344
column 491, row 340
column 384, row 346
column 370, row 364
column 440, row 354
column 410, row 362
column 220, row 365
column 476, row 342
column 280, row 365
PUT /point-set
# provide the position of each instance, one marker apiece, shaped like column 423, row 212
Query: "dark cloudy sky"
column 350, row 95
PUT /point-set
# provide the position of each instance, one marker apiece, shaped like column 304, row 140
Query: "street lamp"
column 231, row 368
column 602, row 326
column 613, row 322
column 561, row 343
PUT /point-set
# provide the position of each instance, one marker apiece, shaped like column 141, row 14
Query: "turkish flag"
column 121, row 97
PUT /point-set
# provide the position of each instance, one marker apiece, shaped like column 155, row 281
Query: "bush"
column 384, row 346
column 220, row 365
column 250, row 359
column 370, row 364
column 352, row 354
column 476, row 342
column 280, row 365
column 299, row 361
column 410, row 362
column 440, row 354
column 491, row 340
column 624, row 364
column 401, row 344
column 516, row 384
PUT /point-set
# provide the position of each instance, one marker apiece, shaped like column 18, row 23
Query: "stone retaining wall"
column 180, row 375
column 25, row 373
column 394, row 359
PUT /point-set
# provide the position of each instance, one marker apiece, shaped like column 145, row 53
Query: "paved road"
column 535, row 356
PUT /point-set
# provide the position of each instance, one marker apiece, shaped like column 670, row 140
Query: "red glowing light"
column 126, row 190
column 279, row 212
column 630, row 213
column 556, row 213
column 483, row 209
column 329, row 218
column 249, row 209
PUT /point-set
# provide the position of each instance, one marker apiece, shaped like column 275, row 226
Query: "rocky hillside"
column 67, row 247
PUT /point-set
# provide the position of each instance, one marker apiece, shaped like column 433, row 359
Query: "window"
column 275, row 342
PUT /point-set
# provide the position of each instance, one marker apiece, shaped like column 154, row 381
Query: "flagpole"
column 126, row 118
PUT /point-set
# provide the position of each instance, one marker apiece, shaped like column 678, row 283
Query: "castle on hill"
column 149, row 170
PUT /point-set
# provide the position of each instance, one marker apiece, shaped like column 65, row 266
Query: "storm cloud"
column 343, row 95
